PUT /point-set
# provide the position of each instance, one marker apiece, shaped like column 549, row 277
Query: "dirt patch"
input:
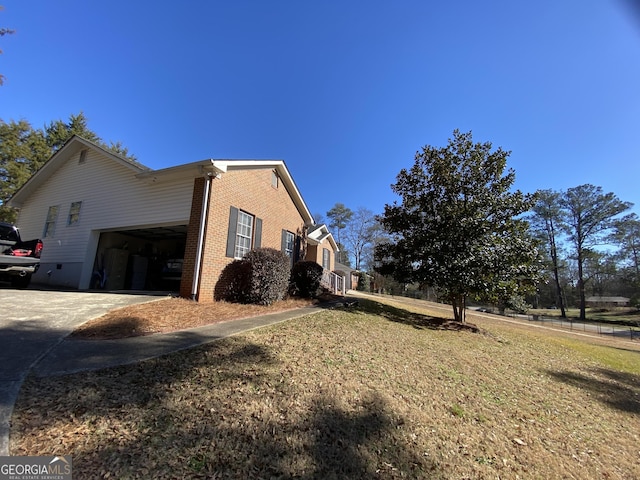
column 457, row 326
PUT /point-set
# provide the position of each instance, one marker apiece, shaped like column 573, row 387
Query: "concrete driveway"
column 32, row 322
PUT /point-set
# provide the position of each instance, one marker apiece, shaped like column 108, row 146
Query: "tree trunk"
column 583, row 302
column 556, row 275
column 559, row 295
column 459, row 311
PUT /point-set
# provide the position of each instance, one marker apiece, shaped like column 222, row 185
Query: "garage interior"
column 142, row 259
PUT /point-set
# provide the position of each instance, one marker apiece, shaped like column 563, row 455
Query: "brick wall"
column 249, row 190
column 314, row 253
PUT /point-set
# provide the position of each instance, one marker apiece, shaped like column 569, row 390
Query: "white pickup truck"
column 18, row 260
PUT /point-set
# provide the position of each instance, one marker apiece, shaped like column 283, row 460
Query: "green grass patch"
column 618, row 358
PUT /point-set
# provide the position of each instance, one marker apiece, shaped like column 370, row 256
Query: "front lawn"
column 369, row 392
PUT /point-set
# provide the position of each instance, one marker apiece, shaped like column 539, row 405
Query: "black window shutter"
column 231, row 233
column 298, row 247
column 257, row 237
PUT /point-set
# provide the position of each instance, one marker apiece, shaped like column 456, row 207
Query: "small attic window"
column 274, row 179
column 83, row 157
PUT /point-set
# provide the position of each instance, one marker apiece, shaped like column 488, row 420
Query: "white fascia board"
column 321, row 234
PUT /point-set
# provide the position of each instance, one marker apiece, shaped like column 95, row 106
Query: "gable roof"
column 217, row 167
column 318, row 233
column 344, row 268
column 72, row 146
column 597, row 298
column 189, row 170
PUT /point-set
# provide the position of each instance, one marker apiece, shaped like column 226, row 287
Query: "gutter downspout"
column 203, row 220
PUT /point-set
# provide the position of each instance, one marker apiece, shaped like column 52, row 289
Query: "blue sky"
column 344, row 92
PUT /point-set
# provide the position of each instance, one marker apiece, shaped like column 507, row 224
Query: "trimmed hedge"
column 261, row 277
column 269, row 277
column 305, row 279
column 233, row 283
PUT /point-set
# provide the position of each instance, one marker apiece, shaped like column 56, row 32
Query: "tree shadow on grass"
column 224, row 410
column 416, row 320
column 361, row 444
column 616, row 389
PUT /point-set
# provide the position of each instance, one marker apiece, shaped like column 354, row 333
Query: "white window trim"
column 50, row 222
column 245, row 222
column 326, row 258
column 290, row 244
column 74, row 217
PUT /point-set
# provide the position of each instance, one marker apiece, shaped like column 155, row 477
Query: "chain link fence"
column 613, row 330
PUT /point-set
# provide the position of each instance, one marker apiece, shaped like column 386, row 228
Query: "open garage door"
column 145, row 259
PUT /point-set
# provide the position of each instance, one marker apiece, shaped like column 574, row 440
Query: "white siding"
column 112, row 197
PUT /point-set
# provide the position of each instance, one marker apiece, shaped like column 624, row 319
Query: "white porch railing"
column 332, row 282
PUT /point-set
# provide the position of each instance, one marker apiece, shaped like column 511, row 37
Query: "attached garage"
column 148, row 258
column 106, row 222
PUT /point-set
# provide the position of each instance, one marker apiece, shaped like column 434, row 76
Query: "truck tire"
column 21, row 282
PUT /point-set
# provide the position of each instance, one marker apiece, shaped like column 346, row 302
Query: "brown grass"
column 371, row 392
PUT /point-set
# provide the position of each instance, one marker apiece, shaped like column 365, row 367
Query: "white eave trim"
column 321, row 234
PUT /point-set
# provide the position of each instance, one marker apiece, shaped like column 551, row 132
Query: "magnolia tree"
column 459, row 226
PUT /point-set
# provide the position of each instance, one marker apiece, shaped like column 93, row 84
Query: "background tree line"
column 589, row 248
column 24, row 149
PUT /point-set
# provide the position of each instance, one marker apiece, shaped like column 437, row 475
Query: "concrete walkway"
column 34, row 331
column 73, row 355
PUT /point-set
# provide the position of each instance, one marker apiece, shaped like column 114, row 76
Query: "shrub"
column 305, row 279
column 261, row 277
column 269, row 275
column 363, row 284
column 233, row 284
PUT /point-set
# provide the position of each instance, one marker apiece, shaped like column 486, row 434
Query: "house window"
column 274, row 179
column 74, row 213
column 244, row 233
column 50, row 224
column 83, row 157
column 326, row 259
column 288, row 245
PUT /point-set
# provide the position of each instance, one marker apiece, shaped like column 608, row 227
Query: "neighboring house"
column 107, row 222
column 597, row 301
column 350, row 276
column 322, row 249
